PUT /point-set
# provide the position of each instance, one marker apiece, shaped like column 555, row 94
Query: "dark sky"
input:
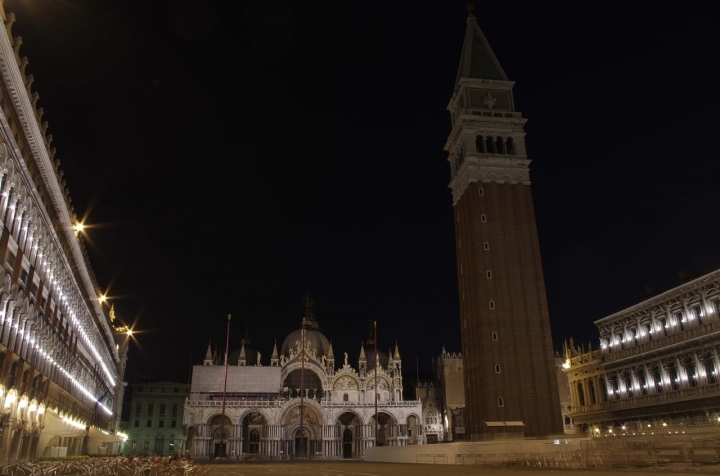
column 231, row 156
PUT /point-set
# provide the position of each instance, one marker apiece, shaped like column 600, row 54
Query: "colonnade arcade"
column 680, row 371
column 252, row 432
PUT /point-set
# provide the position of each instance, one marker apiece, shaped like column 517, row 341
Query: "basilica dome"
column 250, row 354
column 370, row 356
column 317, row 339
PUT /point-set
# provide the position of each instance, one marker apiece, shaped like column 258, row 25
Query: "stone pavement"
column 361, row 468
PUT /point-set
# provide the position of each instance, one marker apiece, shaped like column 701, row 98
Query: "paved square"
column 360, row 468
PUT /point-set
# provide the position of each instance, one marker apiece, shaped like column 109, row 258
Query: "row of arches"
column 348, row 436
column 674, row 373
column 32, row 240
column 314, row 384
column 32, row 247
column 495, row 145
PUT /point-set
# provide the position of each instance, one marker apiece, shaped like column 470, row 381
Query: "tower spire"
column 477, row 59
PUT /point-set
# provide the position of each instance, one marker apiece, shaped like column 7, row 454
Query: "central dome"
column 316, row 338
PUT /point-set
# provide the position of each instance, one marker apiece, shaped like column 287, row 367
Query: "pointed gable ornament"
column 208, row 356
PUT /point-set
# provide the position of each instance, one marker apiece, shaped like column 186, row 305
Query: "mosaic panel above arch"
column 345, row 383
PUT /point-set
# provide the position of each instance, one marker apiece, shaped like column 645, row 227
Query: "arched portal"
column 221, row 430
column 413, row 430
column 386, row 428
column 350, row 426
column 301, row 438
column 190, row 446
column 251, row 430
column 304, row 429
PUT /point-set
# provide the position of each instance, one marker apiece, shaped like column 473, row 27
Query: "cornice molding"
column 660, row 299
column 499, row 169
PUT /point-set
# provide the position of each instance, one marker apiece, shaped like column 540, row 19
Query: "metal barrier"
column 431, row 459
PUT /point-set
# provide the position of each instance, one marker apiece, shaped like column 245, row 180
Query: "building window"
column 698, row 314
column 176, row 390
column 510, row 146
column 138, row 408
column 501, row 403
column 492, row 304
column 162, row 409
column 345, row 397
column 151, row 407
column 679, row 317
column 137, row 423
column 173, row 424
column 486, row 246
column 480, row 191
column 146, row 445
column 174, row 409
column 148, row 424
column 494, row 336
column 717, row 306
column 497, row 368
column 479, row 144
column 172, row 446
column 483, row 218
column 488, row 274
column 161, row 423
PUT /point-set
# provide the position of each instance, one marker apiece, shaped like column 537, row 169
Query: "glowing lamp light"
column 79, row 227
column 102, row 298
column 566, row 365
column 32, row 407
column 664, row 424
column 129, row 332
column 41, row 410
column 10, row 399
column 649, row 426
column 23, row 403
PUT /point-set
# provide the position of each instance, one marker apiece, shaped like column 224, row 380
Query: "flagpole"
column 302, row 387
column 376, row 380
column 227, row 344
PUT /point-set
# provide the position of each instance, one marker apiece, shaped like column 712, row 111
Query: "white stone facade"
column 299, row 406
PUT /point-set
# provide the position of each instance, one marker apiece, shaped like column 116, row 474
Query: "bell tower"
column 507, row 346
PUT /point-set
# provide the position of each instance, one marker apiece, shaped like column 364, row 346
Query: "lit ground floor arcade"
column 289, row 429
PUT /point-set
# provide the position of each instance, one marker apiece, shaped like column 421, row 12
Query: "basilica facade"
column 306, row 403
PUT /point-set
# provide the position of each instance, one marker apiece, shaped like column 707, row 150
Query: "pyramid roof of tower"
column 477, row 59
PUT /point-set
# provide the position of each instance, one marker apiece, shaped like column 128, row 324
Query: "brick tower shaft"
column 506, row 339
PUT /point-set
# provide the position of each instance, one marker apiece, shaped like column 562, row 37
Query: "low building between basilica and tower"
column 302, row 405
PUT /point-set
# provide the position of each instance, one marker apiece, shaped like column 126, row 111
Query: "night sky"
column 230, row 157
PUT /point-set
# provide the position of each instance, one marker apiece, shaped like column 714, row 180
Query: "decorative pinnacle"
column 470, row 7
column 307, row 302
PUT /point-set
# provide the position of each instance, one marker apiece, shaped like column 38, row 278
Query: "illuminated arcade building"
column 263, row 414
column 507, row 350
column 657, row 364
column 61, row 363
